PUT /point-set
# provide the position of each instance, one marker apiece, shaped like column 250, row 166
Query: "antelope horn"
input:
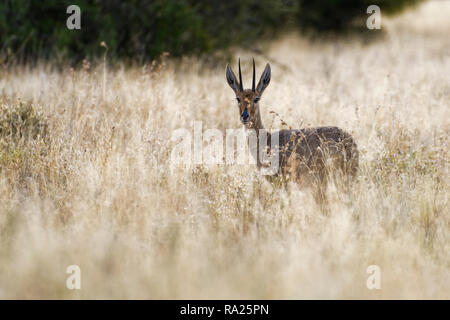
column 253, row 83
column 240, row 76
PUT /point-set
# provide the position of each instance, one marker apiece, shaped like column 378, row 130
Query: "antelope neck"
column 257, row 126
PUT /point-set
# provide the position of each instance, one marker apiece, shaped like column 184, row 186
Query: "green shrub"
column 145, row 29
column 23, row 139
column 340, row 15
column 20, row 121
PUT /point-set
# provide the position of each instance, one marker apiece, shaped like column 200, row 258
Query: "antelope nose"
column 244, row 116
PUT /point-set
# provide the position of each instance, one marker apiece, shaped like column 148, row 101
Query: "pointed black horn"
column 253, row 83
column 240, row 76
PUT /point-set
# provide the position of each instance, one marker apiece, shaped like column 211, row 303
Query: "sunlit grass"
column 85, row 177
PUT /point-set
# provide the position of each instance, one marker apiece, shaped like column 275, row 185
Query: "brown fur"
column 308, row 156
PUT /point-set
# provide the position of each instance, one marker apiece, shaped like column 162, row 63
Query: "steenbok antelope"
column 309, row 155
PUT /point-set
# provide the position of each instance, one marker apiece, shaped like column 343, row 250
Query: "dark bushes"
column 145, row 29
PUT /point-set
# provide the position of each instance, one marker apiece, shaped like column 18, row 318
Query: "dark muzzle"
column 244, row 116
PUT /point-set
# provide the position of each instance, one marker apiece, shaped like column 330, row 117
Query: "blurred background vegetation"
column 142, row 30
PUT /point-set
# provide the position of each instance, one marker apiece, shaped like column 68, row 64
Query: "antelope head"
column 248, row 99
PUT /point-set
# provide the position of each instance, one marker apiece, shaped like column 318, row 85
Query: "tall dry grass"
column 85, row 176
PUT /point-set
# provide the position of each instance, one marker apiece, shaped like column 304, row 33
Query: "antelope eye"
column 256, row 100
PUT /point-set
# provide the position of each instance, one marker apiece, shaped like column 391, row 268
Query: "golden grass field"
column 86, row 180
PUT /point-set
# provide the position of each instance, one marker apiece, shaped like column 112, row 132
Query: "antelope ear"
column 264, row 81
column 231, row 79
